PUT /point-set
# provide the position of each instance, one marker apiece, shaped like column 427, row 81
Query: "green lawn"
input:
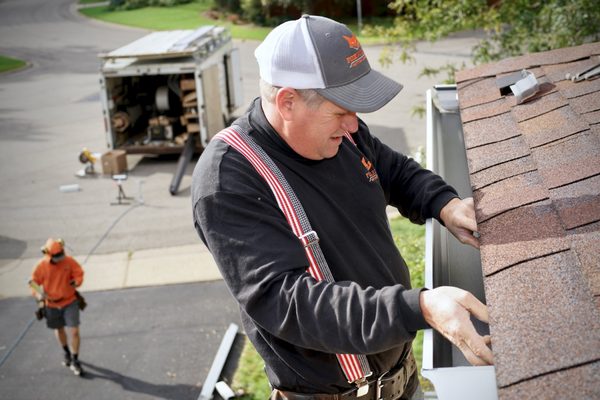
column 410, row 239
column 184, row 16
column 9, row 64
column 190, row 16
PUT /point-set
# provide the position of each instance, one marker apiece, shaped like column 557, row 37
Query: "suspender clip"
column 362, row 387
column 309, row 238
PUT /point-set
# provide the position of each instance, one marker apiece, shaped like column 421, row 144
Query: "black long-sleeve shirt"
column 296, row 323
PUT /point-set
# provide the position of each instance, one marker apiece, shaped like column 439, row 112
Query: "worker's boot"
column 67, row 360
column 76, row 367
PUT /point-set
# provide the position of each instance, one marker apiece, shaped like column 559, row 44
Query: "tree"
column 512, row 27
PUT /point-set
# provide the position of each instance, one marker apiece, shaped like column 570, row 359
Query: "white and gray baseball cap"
column 318, row 53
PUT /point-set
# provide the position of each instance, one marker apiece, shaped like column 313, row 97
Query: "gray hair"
column 310, row 96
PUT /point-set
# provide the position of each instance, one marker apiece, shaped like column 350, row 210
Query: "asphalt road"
column 51, row 110
column 142, row 343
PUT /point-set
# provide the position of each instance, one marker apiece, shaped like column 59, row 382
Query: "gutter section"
column 447, row 261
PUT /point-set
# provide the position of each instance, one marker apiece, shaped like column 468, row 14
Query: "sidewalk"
column 181, row 264
column 121, row 270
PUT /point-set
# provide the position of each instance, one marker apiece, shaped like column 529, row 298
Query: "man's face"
column 318, row 132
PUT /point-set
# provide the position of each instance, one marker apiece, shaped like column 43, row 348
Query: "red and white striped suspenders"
column 355, row 366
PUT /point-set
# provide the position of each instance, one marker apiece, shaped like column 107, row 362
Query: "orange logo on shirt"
column 366, row 163
column 371, row 172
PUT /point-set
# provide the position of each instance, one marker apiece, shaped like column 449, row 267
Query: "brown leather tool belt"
column 388, row 386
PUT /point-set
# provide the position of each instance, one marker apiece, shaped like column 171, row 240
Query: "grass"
column 189, row 16
column 9, row 64
column 410, row 239
column 184, row 16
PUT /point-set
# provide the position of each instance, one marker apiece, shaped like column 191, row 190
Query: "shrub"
column 133, row 4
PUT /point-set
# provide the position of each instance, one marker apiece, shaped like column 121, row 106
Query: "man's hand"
column 459, row 218
column 447, row 310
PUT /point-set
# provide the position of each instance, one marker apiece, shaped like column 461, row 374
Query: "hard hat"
column 55, row 248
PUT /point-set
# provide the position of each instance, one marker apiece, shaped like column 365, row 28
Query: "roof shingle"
column 569, row 160
column 529, row 342
column 537, row 199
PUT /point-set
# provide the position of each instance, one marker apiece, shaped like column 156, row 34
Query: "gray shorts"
column 57, row 318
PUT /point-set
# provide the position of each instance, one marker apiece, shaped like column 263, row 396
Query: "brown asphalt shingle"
column 485, row 110
column 535, row 174
column 521, row 234
column 539, row 106
column 549, row 301
column 483, row 157
column 508, row 194
column 578, row 203
column 572, row 384
column 584, row 104
column 502, row 171
column 569, row 160
column 497, row 128
column 551, row 126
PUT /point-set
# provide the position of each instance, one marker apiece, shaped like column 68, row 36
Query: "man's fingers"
column 470, row 355
column 447, row 310
column 475, row 307
column 466, row 237
column 480, row 349
column 473, row 346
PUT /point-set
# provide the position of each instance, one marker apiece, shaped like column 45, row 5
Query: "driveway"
column 140, row 343
column 51, row 110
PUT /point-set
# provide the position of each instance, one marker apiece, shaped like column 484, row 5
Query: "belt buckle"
column 379, row 386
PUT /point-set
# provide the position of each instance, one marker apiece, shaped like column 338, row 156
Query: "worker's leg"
column 61, row 336
column 75, row 339
column 55, row 320
column 72, row 322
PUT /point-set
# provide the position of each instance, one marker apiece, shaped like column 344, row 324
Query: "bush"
column 133, row 4
column 232, row 6
column 274, row 12
column 512, row 27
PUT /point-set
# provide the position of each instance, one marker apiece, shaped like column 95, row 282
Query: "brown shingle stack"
column 535, row 174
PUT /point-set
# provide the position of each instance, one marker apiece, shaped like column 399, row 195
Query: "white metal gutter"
column 447, row 262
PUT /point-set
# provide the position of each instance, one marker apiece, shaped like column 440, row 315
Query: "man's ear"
column 286, row 102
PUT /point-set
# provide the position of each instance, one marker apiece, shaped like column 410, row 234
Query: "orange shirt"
column 55, row 278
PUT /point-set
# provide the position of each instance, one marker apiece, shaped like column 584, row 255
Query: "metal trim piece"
column 217, row 366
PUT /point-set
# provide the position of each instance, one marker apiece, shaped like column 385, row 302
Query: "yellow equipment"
column 86, row 157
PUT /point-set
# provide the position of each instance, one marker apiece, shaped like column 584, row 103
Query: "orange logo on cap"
column 352, row 41
column 358, row 56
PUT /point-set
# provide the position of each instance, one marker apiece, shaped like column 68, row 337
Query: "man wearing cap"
column 53, row 282
column 349, row 334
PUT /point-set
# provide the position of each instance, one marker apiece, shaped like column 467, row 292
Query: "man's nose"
column 350, row 122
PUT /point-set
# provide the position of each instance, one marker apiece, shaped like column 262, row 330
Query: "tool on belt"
column 355, row 366
column 41, row 312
